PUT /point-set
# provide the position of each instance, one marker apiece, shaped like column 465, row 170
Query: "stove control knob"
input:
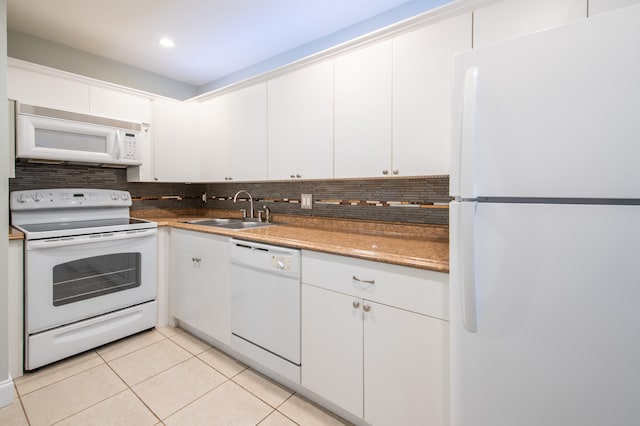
column 125, row 196
column 37, row 197
column 114, row 196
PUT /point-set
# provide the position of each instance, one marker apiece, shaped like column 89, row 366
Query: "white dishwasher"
column 265, row 305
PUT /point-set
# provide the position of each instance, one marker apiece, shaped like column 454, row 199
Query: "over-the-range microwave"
column 50, row 135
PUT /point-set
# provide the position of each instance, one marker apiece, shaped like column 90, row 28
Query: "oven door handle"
column 90, row 239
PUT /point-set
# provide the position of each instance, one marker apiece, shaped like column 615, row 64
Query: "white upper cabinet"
column 601, row 6
column 363, row 106
column 248, row 133
column 119, row 105
column 422, row 61
column 47, row 91
column 513, row 18
column 50, row 91
column 300, row 106
column 215, row 139
column 176, row 141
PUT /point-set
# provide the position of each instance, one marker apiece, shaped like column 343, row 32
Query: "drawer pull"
column 364, row 281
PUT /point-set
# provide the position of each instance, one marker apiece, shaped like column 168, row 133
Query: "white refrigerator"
column 545, row 228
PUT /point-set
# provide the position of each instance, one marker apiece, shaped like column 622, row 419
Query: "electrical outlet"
column 306, row 201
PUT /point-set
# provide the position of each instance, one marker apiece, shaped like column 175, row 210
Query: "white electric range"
column 90, row 270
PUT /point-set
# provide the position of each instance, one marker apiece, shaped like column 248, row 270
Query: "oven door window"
column 95, row 276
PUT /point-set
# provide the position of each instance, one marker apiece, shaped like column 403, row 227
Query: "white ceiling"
column 214, row 38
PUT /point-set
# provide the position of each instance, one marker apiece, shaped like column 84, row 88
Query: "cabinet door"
column 47, row 91
column 422, row 64
column 363, row 112
column 405, row 367
column 185, row 289
column 300, row 109
column 218, row 311
column 248, row 133
column 513, row 18
column 200, row 277
column 119, row 105
column 332, row 347
column 176, row 141
column 601, row 6
column 215, row 139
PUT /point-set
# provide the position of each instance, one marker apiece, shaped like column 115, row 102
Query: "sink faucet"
column 235, row 200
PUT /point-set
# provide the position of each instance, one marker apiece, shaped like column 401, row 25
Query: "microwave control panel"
column 130, row 146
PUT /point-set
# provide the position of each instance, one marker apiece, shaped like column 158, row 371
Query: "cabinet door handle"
column 385, row 172
column 364, row 281
column 396, row 172
column 196, row 259
column 356, row 304
column 366, row 308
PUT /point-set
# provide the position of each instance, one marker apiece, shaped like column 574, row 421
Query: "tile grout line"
column 278, row 408
column 66, row 378
column 192, row 355
column 127, row 384
column 21, row 404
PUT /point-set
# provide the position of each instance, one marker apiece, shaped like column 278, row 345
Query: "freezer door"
column 556, row 291
column 553, row 114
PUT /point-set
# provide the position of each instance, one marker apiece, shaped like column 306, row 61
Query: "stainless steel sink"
column 230, row 223
column 214, row 222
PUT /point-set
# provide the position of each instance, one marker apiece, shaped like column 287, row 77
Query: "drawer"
column 417, row 290
column 200, row 243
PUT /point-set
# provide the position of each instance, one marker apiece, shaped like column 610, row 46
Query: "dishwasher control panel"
column 281, row 262
column 277, row 260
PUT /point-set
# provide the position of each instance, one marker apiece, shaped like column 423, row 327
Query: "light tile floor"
column 158, row 377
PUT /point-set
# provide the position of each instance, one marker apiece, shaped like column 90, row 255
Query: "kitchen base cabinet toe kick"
column 373, row 336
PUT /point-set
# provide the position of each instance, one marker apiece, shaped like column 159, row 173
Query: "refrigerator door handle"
column 465, row 172
column 467, row 261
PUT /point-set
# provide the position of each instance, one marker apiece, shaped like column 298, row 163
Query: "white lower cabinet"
column 405, row 367
column 332, row 347
column 200, row 282
column 383, row 363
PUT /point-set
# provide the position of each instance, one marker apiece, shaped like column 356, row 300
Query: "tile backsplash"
column 411, row 200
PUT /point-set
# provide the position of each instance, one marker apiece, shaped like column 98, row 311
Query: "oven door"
column 73, row 278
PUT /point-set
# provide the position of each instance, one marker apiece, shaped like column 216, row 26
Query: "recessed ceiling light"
column 166, row 42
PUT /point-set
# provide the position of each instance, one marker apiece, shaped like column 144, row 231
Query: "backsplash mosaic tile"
column 412, row 200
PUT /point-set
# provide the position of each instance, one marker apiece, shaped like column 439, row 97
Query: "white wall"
column 6, row 384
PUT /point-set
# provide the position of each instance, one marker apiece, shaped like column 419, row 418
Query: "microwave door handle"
column 116, row 150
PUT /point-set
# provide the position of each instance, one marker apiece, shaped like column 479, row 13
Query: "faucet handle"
column 267, row 211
